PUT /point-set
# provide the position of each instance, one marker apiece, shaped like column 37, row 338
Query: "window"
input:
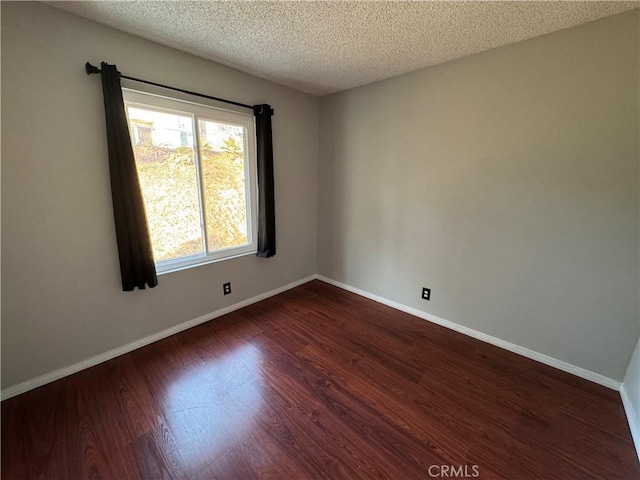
column 197, row 172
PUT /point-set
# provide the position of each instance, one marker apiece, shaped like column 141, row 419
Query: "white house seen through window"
column 196, row 167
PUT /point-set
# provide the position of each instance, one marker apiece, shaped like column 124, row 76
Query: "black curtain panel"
column 266, row 200
column 134, row 246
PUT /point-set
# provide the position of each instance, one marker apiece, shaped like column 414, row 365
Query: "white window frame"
column 200, row 111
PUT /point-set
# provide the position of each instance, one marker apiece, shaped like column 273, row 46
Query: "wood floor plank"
column 318, row 383
column 335, row 416
column 382, row 446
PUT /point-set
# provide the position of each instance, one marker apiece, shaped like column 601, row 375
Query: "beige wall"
column 631, row 385
column 505, row 181
column 61, row 294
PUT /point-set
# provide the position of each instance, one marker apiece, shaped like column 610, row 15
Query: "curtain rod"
column 92, row 69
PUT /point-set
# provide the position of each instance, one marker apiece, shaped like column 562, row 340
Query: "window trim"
column 203, row 111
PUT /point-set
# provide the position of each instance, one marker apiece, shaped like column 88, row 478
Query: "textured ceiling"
column 322, row 47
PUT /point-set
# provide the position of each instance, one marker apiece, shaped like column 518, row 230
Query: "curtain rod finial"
column 90, row 69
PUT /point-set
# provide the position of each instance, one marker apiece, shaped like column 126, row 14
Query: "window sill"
column 177, row 267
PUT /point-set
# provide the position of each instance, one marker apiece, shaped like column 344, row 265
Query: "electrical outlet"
column 226, row 288
column 426, row 293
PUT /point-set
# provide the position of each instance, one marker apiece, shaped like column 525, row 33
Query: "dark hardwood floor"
column 318, row 383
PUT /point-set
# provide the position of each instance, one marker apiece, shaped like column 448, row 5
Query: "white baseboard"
column 512, row 347
column 103, row 357
column 633, row 418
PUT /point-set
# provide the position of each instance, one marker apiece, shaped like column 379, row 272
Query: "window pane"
column 222, row 159
column 163, row 145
